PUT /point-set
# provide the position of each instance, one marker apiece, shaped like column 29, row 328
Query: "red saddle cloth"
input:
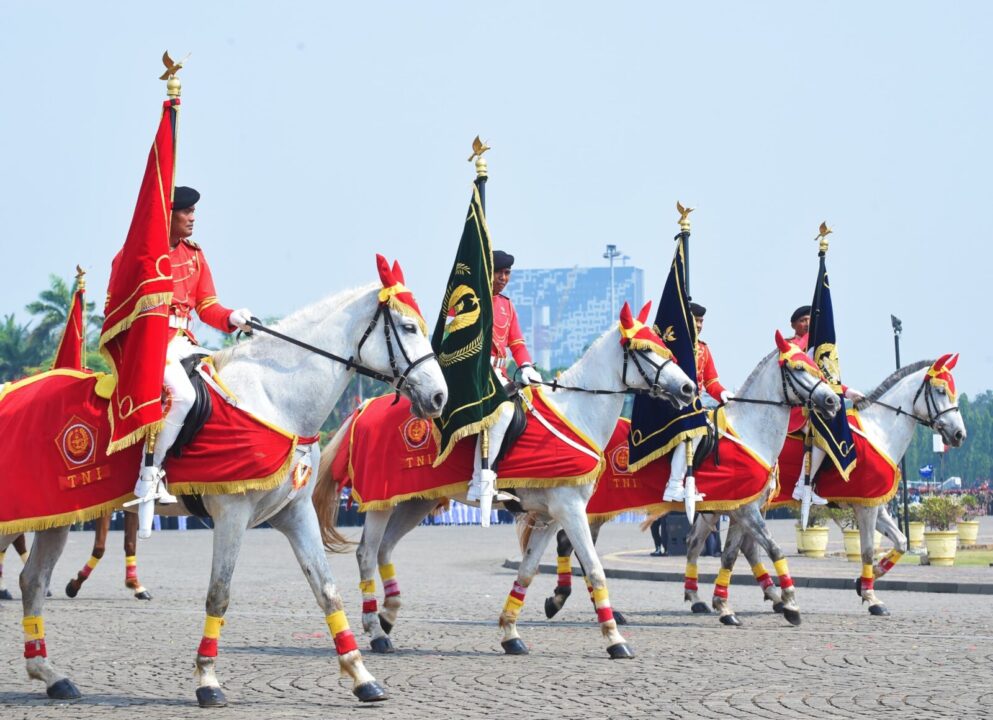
column 873, row 481
column 739, row 479
column 388, row 456
column 54, row 431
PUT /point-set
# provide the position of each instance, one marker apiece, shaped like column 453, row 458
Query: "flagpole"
column 81, row 288
column 478, row 148
column 684, row 235
column 486, row 493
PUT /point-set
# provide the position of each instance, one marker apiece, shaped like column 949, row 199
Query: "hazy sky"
column 320, row 133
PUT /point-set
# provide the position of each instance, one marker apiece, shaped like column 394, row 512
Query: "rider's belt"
column 498, row 362
column 182, row 323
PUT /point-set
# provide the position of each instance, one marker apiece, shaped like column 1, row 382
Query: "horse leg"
column 298, row 522
column 888, row 527
column 867, row 518
column 703, row 525
column 753, row 524
column 100, row 528
column 572, row 515
column 4, row 592
column 37, row 573
column 373, row 530
column 540, row 537
column 563, row 566
column 761, row 575
column 729, row 556
column 131, row 557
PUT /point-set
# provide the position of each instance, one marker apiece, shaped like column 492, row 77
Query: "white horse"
column 605, row 367
column 921, row 393
column 759, row 416
column 294, row 388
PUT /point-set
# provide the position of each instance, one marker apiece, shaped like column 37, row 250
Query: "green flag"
column 463, row 337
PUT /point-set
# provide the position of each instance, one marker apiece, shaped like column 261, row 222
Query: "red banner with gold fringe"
column 70, row 352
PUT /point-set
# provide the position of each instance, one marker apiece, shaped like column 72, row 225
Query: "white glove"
column 239, row 318
column 725, row 396
column 530, row 375
column 854, row 395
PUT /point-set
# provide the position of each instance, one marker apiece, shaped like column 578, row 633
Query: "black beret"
column 799, row 313
column 697, row 310
column 184, row 197
column 502, row 260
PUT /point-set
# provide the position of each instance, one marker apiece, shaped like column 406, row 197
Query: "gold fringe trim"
column 654, row 511
column 820, row 442
column 133, row 437
column 268, row 482
column 464, row 432
column 439, row 493
column 712, row 505
column 141, row 305
column 586, row 479
column 47, row 522
column 667, row 448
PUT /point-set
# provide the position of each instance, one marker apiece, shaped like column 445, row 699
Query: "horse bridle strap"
column 931, row 420
column 556, row 385
column 787, row 382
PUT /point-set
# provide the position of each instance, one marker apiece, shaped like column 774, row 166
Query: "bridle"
column 634, row 357
column 789, row 383
column 390, row 334
column 933, row 413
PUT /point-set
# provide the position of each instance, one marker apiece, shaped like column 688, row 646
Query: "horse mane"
column 754, row 373
column 892, row 380
column 307, row 315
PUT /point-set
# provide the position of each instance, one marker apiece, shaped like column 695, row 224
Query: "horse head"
column 656, row 366
column 403, row 349
column 937, row 401
column 803, row 381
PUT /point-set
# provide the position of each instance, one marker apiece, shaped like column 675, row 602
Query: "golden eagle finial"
column 173, row 86
column 822, row 236
column 80, row 277
column 684, row 221
column 478, row 148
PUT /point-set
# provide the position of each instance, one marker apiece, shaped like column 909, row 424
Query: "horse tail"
column 525, row 526
column 326, row 500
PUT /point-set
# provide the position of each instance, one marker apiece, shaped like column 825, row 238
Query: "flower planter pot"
column 813, row 541
column 968, row 531
column 941, row 545
column 916, row 537
column 853, row 546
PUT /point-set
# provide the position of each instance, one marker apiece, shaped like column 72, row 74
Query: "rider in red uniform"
column 193, row 291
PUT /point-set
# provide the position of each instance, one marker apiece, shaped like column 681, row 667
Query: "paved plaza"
column 932, row 658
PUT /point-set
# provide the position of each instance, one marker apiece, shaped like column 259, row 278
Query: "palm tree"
column 19, row 351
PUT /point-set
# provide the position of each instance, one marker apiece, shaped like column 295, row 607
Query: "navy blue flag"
column 656, row 426
column 834, row 437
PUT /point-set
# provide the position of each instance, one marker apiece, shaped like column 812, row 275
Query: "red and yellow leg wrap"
column 89, row 566
column 564, row 568
column 692, row 574
column 515, row 601
column 388, row 575
column 211, row 634
column 589, row 587
column 761, row 575
column 368, row 588
column 887, row 562
column 867, row 577
column 783, row 572
column 601, row 601
column 34, row 636
column 344, row 640
column 131, row 567
column 3, row 553
column 722, row 582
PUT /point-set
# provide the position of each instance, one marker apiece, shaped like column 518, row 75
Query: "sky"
column 320, row 133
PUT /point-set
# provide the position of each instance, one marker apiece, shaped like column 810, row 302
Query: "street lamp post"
column 612, row 252
column 897, row 329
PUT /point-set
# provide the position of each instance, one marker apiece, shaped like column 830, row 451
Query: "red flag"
column 70, row 352
column 136, row 325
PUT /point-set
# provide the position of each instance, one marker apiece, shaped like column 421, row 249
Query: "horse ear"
column 643, row 315
column 940, row 362
column 626, row 319
column 781, row 342
column 398, row 272
column 385, row 276
column 951, row 363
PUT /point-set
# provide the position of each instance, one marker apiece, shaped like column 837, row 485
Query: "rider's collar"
column 395, row 294
column 940, row 374
column 635, row 335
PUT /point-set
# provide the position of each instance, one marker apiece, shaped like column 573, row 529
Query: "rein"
column 398, row 378
column 933, row 414
column 556, row 385
column 788, row 381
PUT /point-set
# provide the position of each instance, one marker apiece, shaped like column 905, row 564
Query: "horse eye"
column 940, row 390
column 409, row 328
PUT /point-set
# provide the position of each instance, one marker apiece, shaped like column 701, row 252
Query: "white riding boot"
column 815, row 499
column 674, row 491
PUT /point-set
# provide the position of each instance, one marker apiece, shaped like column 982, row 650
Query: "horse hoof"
column 731, row 620
column 620, row 651
column 64, row 690
column 72, row 589
column 879, row 611
column 700, row 608
column 209, row 697
column 777, row 607
column 792, row 616
column 551, row 608
column 385, row 624
column 382, row 644
column 5, row 594
column 515, row 646
column 48, row 592
column 371, row 691
column 619, row 618
column 858, row 586
column 143, row 595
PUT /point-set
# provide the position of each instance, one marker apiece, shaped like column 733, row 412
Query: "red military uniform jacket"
column 706, row 373
column 194, row 290
column 507, row 334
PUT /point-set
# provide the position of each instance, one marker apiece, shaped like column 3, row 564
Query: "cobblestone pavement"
column 932, row 658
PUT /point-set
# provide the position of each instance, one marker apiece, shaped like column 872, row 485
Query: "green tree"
column 18, row 350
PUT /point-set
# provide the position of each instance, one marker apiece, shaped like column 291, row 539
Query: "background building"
column 562, row 310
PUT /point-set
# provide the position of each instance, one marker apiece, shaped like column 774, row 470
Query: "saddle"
column 709, row 444
column 198, row 415
column 517, row 424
